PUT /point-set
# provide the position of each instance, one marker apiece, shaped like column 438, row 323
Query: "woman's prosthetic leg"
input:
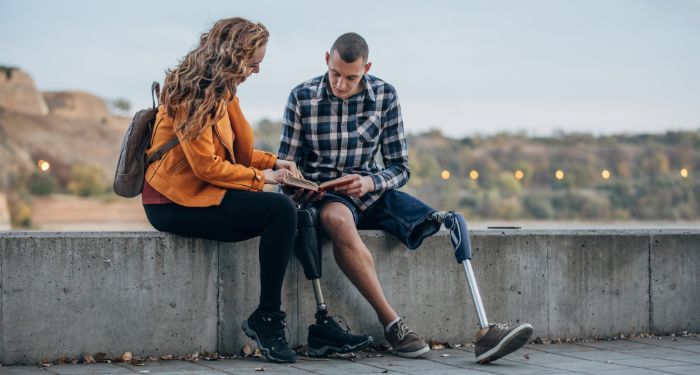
column 455, row 223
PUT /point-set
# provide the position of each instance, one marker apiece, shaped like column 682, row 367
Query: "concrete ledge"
column 151, row 293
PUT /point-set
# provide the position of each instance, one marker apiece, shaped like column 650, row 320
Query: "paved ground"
column 640, row 356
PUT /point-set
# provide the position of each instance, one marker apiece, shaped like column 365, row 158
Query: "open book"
column 310, row 185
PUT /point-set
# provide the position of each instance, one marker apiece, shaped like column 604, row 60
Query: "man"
column 335, row 125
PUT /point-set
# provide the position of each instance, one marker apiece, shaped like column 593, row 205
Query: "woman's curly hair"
column 209, row 74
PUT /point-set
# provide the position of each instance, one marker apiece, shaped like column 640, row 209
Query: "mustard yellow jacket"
column 197, row 172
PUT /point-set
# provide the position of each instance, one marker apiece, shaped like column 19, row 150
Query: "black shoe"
column 501, row 340
column 267, row 329
column 326, row 337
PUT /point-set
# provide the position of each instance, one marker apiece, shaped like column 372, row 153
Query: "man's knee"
column 336, row 217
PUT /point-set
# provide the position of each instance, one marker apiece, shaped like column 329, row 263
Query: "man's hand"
column 359, row 186
column 302, row 196
column 288, row 165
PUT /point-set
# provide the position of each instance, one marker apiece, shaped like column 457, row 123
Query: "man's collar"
column 324, row 93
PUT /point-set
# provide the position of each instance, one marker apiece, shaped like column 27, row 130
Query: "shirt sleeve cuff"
column 379, row 183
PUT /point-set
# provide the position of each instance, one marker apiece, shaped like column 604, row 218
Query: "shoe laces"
column 402, row 330
column 342, row 320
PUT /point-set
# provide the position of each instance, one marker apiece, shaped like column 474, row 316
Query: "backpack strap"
column 161, row 151
column 155, row 93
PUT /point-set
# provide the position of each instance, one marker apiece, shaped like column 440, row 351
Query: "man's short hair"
column 350, row 47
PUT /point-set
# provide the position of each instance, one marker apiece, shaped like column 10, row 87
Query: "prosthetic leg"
column 325, row 336
column 455, row 223
column 492, row 341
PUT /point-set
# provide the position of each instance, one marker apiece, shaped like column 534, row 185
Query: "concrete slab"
column 674, row 285
column 239, row 294
column 598, row 284
column 684, row 370
column 23, row 370
column 67, row 294
column 549, row 360
column 249, row 366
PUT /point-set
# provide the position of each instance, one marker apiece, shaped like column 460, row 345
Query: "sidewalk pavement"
column 638, row 356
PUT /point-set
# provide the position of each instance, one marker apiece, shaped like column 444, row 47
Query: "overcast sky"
column 464, row 67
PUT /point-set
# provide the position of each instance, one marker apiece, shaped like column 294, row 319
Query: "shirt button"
column 372, row 118
column 258, row 177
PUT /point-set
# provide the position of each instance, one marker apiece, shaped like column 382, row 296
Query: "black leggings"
column 240, row 216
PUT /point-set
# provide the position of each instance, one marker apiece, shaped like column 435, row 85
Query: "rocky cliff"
column 64, row 128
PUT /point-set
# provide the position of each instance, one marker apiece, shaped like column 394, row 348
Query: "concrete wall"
column 151, row 293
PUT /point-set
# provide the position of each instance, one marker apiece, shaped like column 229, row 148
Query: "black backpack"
column 132, row 164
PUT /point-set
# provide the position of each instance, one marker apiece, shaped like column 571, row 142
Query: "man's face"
column 344, row 77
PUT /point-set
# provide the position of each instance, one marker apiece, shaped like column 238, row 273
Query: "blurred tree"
column 87, row 180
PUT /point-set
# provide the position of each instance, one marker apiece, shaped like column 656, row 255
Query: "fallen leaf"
column 260, row 369
column 152, row 359
column 192, row 357
column 385, row 372
column 444, row 355
column 100, row 357
column 257, row 353
column 167, row 357
column 246, row 351
column 527, row 356
column 127, row 356
column 87, row 359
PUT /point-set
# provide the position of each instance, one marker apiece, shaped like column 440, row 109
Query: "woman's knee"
column 284, row 208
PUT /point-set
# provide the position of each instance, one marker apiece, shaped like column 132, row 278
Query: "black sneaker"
column 500, row 340
column 267, row 329
column 326, row 337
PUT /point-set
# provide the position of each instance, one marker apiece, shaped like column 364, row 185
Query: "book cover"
column 310, row 185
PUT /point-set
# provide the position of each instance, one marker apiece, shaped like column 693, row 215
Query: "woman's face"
column 253, row 65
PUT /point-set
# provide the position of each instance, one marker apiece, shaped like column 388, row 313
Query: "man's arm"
column 394, row 151
column 292, row 132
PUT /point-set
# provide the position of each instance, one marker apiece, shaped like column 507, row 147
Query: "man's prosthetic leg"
column 492, row 341
column 455, row 223
column 325, row 336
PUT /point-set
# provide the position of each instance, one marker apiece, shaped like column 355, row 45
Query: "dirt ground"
column 71, row 213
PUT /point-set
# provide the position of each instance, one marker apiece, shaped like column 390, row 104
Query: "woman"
column 210, row 185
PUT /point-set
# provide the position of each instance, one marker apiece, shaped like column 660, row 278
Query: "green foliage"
column 87, row 180
column 539, row 207
column 41, row 183
column 20, row 209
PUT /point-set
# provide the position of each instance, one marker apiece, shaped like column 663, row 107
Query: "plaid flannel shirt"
column 328, row 137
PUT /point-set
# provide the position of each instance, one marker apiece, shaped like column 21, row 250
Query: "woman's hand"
column 275, row 177
column 288, row 165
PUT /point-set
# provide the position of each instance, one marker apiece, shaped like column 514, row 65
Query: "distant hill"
column 63, row 128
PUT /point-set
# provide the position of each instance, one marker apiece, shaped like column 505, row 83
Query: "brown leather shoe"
column 500, row 340
column 404, row 341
